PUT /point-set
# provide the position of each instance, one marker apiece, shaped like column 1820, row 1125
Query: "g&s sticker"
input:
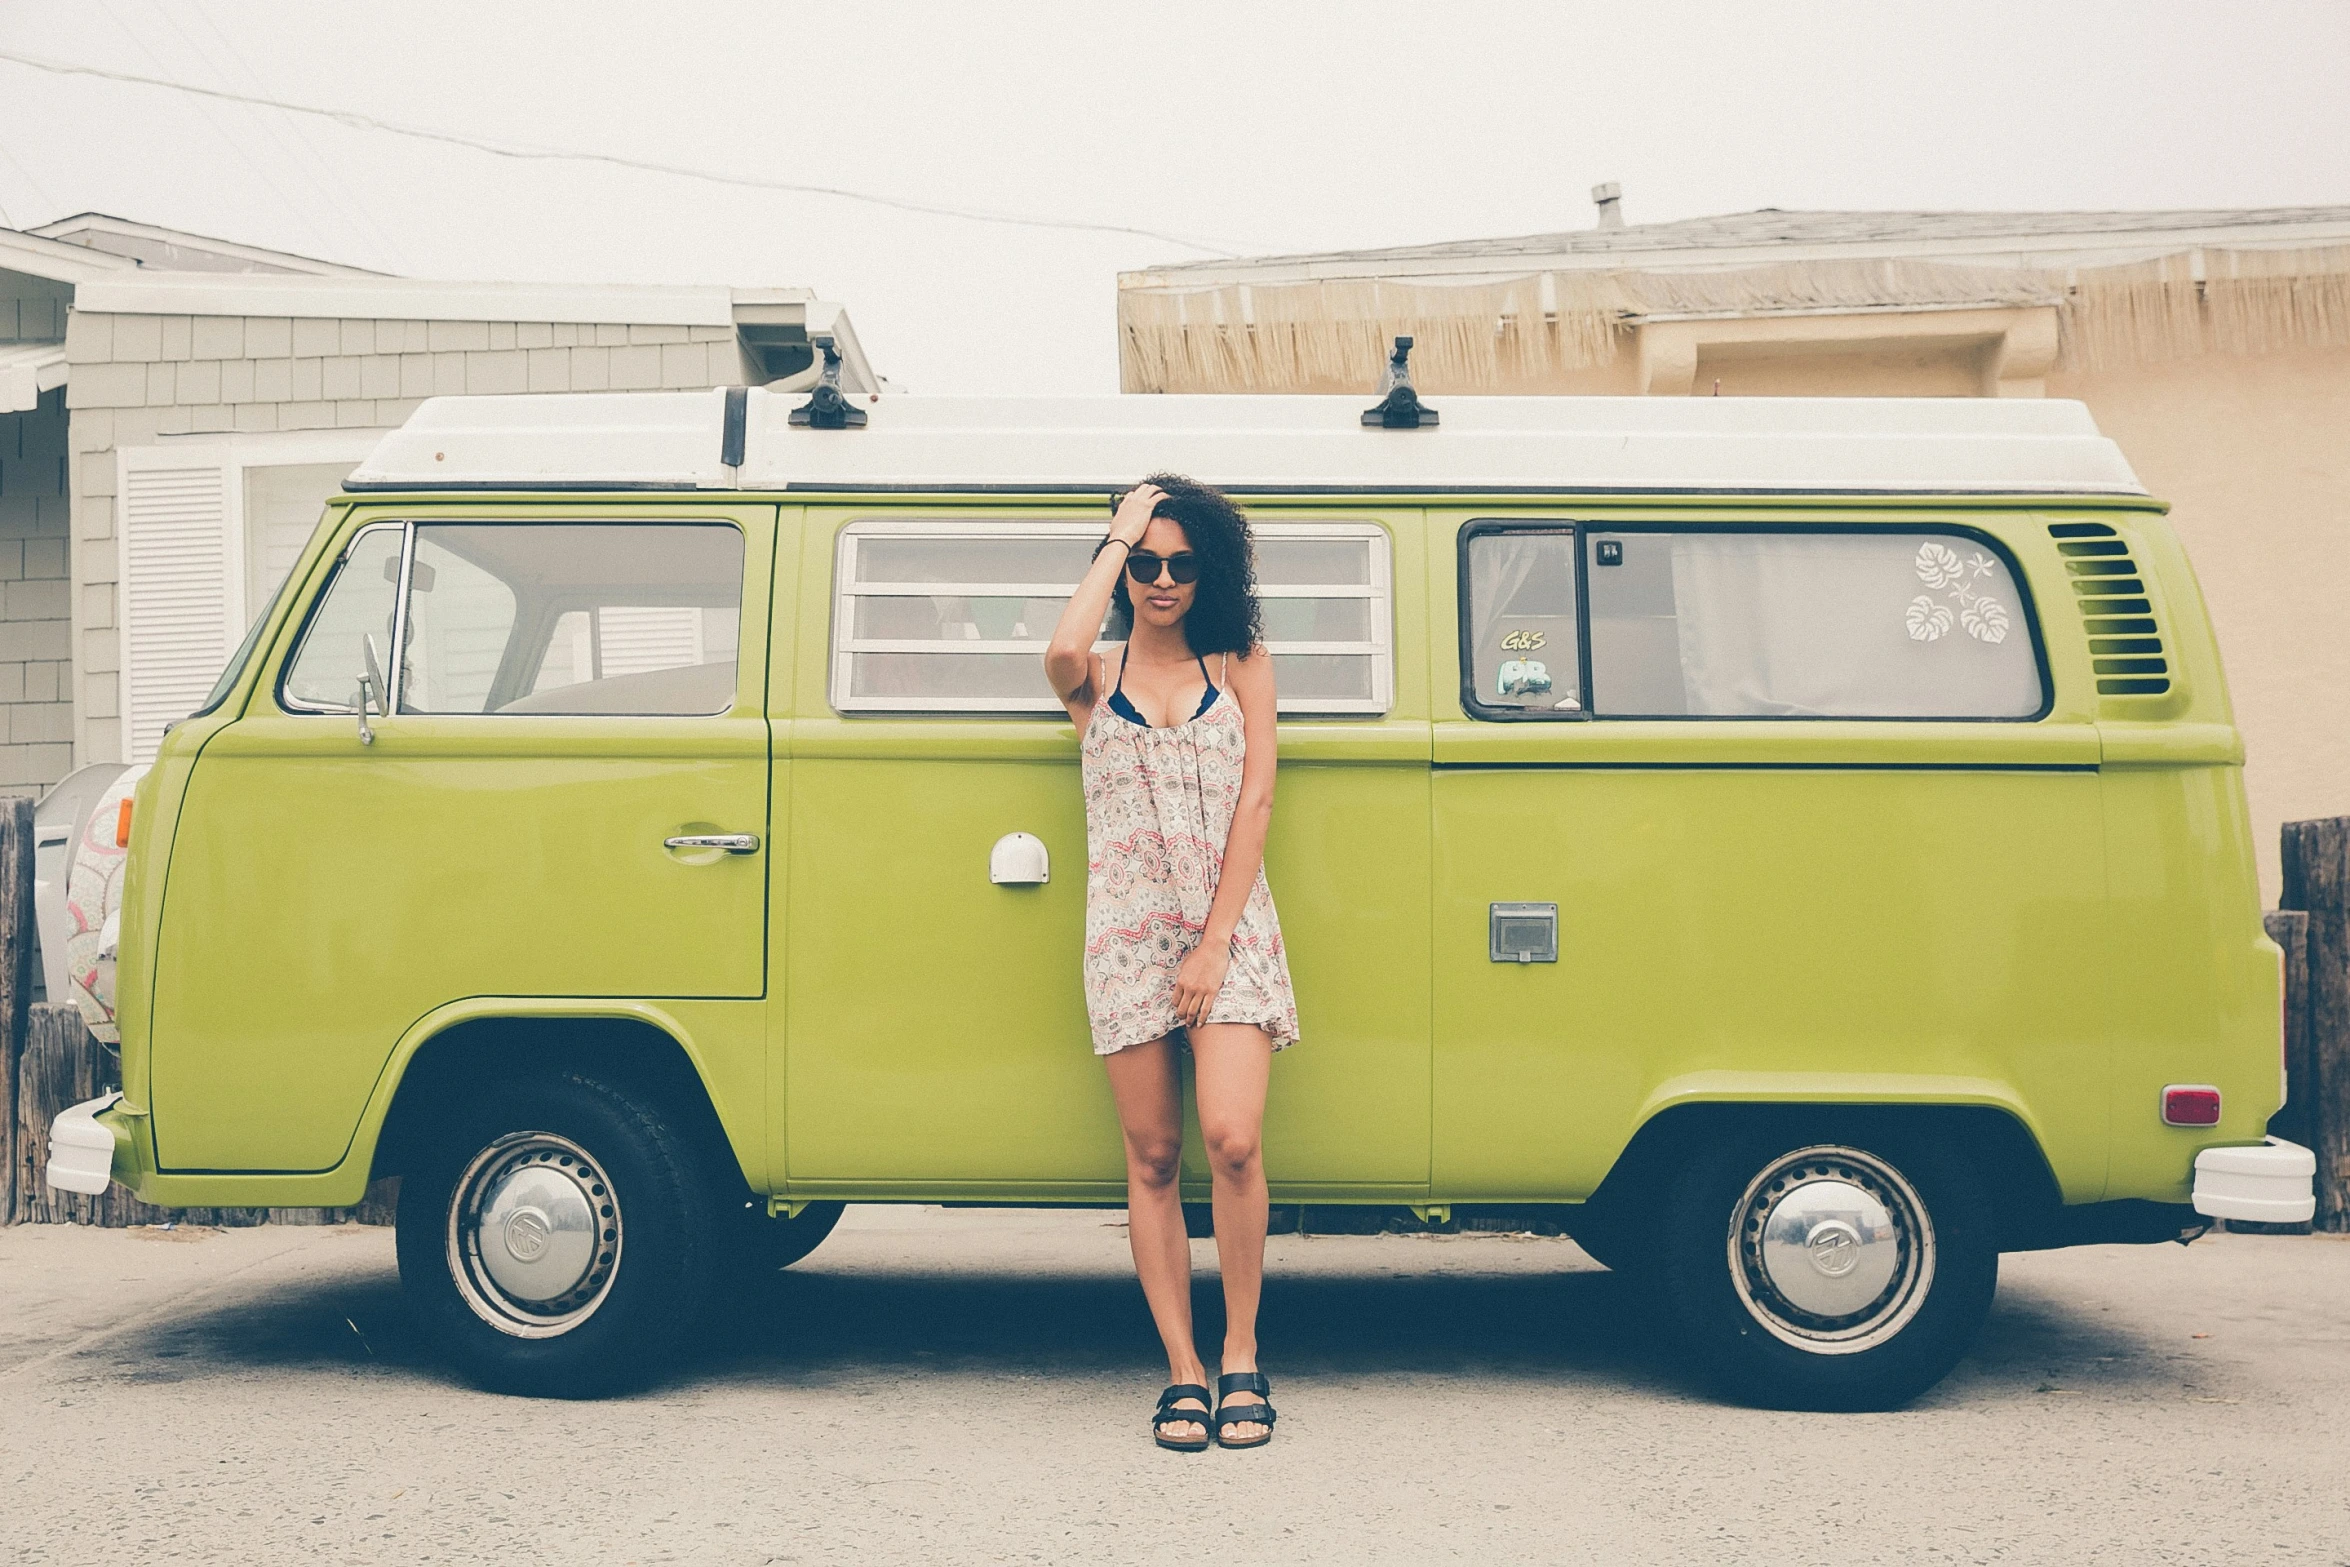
column 1521, row 641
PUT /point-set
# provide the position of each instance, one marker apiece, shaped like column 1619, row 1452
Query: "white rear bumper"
column 2270, row 1183
column 81, row 1152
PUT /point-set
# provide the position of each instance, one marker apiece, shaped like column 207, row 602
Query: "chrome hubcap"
column 534, row 1234
column 1831, row 1250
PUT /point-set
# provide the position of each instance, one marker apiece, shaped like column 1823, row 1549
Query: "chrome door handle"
column 731, row 842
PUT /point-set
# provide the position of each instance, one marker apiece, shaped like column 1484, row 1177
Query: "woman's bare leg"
column 1147, row 1082
column 1232, row 1062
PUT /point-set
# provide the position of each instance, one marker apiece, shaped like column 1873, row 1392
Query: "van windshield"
column 244, row 653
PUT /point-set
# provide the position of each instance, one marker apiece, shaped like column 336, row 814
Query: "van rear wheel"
column 557, row 1239
column 1827, row 1275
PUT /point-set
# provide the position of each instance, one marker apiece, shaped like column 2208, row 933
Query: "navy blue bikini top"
column 1125, row 708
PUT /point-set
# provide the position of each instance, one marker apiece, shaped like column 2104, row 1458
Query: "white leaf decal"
column 1985, row 620
column 1938, row 566
column 1981, row 565
column 1928, row 620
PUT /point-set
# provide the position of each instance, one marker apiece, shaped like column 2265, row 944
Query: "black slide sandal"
column 1256, row 1414
column 1169, row 1415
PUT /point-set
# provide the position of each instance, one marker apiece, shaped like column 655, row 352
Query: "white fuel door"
column 1019, row 859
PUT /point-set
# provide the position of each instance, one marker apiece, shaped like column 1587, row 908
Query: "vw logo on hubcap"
column 527, row 1235
column 1834, row 1249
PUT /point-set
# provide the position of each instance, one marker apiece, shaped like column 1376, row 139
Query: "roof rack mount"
column 1400, row 408
column 827, row 408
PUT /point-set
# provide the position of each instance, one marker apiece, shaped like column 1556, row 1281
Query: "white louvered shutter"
column 178, row 583
column 639, row 639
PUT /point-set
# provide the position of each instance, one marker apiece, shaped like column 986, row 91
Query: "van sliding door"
column 1812, row 825
column 936, row 1033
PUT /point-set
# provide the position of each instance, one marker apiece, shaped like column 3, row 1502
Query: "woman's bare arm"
column 1068, row 658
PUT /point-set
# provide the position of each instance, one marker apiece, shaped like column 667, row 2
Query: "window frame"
column 846, row 589
column 289, row 703
column 1587, row 530
column 1471, row 703
column 395, row 675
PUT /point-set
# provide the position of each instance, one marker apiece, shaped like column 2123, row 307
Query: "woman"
column 1181, row 945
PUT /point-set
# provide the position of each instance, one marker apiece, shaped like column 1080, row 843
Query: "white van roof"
column 1733, row 445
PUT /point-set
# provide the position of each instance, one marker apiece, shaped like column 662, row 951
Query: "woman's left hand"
column 1200, row 980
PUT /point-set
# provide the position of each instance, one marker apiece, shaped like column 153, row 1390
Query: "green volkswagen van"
column 1799, row 846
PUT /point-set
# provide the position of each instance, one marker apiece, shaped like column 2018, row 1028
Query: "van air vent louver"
column 2124, row 643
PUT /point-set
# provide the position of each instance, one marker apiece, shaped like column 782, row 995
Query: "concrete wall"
column 138, row 379
column 2254, row 455
column 36, row 631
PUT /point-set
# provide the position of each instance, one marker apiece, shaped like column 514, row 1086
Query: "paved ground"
column 949, row 1387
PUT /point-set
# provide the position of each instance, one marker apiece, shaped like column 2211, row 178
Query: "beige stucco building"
column 174, row 409
column 2214, row 346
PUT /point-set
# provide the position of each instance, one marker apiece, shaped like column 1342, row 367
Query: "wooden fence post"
column 2317, row 881
column 57, row 1071
column 16, row 973
column 2289, row 929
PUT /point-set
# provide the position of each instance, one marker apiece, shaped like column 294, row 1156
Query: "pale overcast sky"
column 1261, row 127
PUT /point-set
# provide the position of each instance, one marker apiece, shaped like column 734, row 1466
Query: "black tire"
column 553, row 1155
column 768, row 1246
column 1607, row 1239
column 1924, row 1225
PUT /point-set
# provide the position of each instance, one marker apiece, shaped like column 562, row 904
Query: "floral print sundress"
column 1159, row 803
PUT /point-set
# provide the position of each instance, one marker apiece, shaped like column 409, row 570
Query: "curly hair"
column 1224, row 615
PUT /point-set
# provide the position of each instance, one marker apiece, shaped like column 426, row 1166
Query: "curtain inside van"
column 1852, row 625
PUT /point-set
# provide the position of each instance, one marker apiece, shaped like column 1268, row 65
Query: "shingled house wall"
column 36, row 629
column 137, row 379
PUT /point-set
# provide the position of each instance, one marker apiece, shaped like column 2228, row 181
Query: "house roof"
column 419, row 299
column 115, row 266
column 1770, row 234
column 53, row 259
column 1092, row 445
column 176, row 250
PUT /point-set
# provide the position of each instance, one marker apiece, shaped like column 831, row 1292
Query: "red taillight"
column 122, row 826
column 2190, row 1105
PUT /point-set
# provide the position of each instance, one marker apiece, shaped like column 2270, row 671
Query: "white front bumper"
column 81, row 1152
column 2269, row 1183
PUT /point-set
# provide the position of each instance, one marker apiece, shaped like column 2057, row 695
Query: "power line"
column 525, row 152
column 287, row 132
column 220, row 128
column 35, row 185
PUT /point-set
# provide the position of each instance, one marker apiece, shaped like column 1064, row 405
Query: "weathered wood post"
column 2289, row 929
column 63, row 1066
column 16, row 974
column 57, row 1070
column 2317, row 882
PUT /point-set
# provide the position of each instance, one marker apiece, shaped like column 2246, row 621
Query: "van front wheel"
column 557, row 1238
column 1827, row 1275
column 766, row 1246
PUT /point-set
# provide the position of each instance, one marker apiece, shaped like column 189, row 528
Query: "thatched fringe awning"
column 1493, row 335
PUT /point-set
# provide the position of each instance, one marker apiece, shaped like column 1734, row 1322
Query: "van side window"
column 604, row 618
column 952, row 616
column 1524, row 656
column 611, row 619
column 323, row 675
column 1821, row 624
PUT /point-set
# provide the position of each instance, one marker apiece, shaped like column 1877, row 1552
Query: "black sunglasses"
column 1143, row 566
